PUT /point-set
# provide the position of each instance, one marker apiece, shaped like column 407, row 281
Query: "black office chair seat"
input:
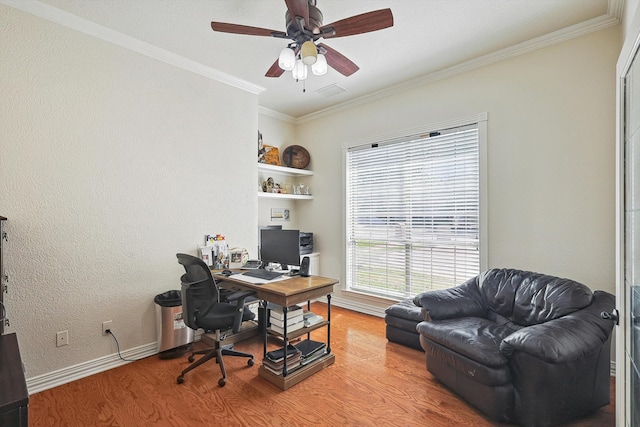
column 220, row 318
column 202, row 308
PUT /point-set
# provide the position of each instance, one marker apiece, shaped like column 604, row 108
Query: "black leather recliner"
column 521, row 347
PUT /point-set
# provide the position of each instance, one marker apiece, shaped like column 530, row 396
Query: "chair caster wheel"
column 250, row 362
column 222, row 382
column 191, row 358
column 180, row 379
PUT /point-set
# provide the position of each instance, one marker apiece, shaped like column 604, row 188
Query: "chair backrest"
column 199, row 288
column 529, row 298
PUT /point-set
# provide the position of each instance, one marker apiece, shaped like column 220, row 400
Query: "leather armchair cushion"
column 461, row 301
column 404, row 324
column 474, row 337
column 464, row 366
column 405, row 309
column 401, row 320
column 562, row 340
column 529, row 298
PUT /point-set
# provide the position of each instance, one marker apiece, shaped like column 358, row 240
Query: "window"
column 413, row 212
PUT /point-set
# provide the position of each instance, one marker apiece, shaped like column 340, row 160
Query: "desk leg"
column 263, row 304
column 329, row 325
column 285, row 311
column 308, row 309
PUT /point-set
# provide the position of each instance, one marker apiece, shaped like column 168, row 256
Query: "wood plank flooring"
column 373, row 382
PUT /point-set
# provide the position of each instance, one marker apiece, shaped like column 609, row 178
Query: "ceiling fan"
column 305, row 29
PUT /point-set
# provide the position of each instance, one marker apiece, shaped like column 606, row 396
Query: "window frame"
column 482, row 121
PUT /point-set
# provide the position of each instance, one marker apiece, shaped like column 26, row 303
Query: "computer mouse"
column 226, row 273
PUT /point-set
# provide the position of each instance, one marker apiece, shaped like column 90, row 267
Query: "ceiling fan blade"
column 358, row 24
column 245, row 29
column 274, row 70
column 338, row 61
column 298, row 8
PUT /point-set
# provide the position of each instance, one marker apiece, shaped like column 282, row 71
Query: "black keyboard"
column 262, row 274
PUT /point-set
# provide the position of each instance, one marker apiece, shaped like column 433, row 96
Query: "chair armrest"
column 240, row 295
column 461, row 301
column 566, row 338
column 239, row 298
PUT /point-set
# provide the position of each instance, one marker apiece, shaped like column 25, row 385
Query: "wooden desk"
column 285, row 293
column 14, row 398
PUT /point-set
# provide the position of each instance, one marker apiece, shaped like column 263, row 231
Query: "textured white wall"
column 551, row 156
column 110, row 163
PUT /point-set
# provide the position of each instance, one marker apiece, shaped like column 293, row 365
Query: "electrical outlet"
column 106, row 326
column 62, row 338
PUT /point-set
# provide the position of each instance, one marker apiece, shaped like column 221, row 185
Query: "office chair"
column 202, row 308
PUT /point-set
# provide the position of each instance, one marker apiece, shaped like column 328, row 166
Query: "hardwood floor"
column 373, row 382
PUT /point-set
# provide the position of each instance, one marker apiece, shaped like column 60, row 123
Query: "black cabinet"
column 3, row 312
column 14, row 398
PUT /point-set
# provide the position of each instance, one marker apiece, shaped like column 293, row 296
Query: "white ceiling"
column 428, row 37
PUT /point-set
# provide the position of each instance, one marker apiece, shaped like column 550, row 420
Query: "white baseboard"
column 101, row 364
column 356, row 306
column 71, row 373
column 85, row 369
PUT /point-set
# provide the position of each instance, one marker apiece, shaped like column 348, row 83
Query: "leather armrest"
column 566, row 338
column 461, row 301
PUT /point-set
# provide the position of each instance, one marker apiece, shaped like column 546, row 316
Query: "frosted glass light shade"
column 299, row 72
column 320, row 67
column 287, row 59
column 308, row 53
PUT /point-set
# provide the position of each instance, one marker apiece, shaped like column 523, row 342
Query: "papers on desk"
column 257, row 280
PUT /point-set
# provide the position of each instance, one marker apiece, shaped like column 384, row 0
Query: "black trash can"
column 174, row 336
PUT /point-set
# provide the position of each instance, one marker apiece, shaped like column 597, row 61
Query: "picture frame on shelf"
column 235, row 258
column 279, row 214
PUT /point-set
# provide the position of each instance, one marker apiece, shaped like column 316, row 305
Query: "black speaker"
column 304, row 267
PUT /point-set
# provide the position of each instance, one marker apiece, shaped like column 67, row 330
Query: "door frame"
column 629, row 50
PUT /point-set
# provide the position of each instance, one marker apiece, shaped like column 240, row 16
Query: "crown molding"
column 565, row 34
column 276, row 114
column 77, row 23
column 615, row 8
column 613, row 17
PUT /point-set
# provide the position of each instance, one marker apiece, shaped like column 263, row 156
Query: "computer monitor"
column 280, row 246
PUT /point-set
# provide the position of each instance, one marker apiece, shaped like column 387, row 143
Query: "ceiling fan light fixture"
column 320, row 67
column 308, row 52
column 304, row 27
column 287, row 59
column 299, row 72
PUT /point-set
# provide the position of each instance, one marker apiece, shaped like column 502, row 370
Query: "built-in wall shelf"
column 266, row 170
column 284, row 196
column 283, row 170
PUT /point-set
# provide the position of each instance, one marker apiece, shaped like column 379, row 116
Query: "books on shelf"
column 293, row 312
column 280, row 323
column 308, row 347
column 311, row 350
column 291, row 366
column 274, row 360
column 294, row 320
column 278, row 355
column 290, row 328
column 317, row 355
column 310, row 318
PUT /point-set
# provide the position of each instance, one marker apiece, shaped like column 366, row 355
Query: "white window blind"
column 413, row 213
